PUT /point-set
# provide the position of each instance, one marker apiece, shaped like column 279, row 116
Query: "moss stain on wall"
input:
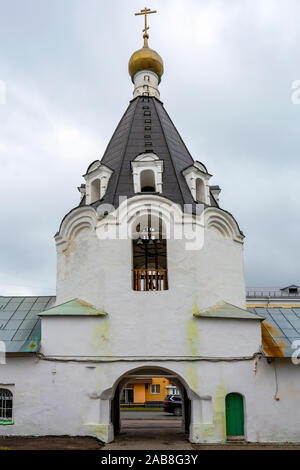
column 195, row 306
column 100, row 431
column 193, row 337
column 219, row 412
column 100, row 338
column 192, row 377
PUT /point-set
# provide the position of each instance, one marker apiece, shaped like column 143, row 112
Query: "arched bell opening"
column 200, row 190
column 148, row 181
column 95, row 190
column 149, row 254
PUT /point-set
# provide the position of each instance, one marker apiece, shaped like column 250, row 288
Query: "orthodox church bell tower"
column 147, row 170
column 150, row 284
column 146, row 162
column 147, row 252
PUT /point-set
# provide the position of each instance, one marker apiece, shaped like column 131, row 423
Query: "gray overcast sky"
column 229, row 68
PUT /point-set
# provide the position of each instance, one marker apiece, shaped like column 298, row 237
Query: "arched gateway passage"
column 147, row 373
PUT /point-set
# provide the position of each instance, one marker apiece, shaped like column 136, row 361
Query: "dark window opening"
column 148, row 189
column 147, row 181
column 200, row 190
column 95, row 190
column 127, row 395
column 293, row 290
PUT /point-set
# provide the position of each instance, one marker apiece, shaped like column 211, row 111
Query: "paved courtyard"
column 141, row 430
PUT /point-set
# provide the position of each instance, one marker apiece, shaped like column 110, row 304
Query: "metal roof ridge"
column 214, row 312
column 79, row 303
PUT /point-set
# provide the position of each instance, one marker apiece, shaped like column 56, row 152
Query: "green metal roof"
column 75, row 307
column 281, row 327
column 226, row 310
column 20, row 327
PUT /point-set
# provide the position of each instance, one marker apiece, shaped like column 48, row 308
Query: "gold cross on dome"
column 146, row 11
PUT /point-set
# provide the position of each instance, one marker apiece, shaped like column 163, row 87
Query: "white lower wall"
column 63, row 398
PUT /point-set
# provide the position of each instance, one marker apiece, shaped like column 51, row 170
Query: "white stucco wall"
column 100, row 272
column 149, row 336
column 62, row 398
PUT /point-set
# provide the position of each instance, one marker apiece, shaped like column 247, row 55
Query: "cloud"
column 229, row 68
column 43, row 154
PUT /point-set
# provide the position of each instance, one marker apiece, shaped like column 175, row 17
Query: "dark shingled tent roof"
column 147, row 127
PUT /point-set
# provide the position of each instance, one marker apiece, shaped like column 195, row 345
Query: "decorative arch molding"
column 129, row 208
column 177, row 225
column 83, row 217
column 124, row 217
column 146, row 157
column 200, row 166
column 87, row 217
column 159, row 207
column 224, row 223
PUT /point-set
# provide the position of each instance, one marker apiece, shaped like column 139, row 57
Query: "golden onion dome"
column 145, row 58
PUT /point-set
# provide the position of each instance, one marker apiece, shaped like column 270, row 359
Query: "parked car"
column 173, row 404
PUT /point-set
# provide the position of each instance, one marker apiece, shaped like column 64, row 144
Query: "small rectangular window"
column 147, row 128
column 145, row 99
column 145, row 107
column 6, row 406
column 147, row 121
column 148, row 144
column 147, row 113
column 155, row 389
column 147, row 136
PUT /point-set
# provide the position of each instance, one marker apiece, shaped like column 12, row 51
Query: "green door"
column 234, row 415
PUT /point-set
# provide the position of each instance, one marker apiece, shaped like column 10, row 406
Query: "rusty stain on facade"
column 272, row 345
